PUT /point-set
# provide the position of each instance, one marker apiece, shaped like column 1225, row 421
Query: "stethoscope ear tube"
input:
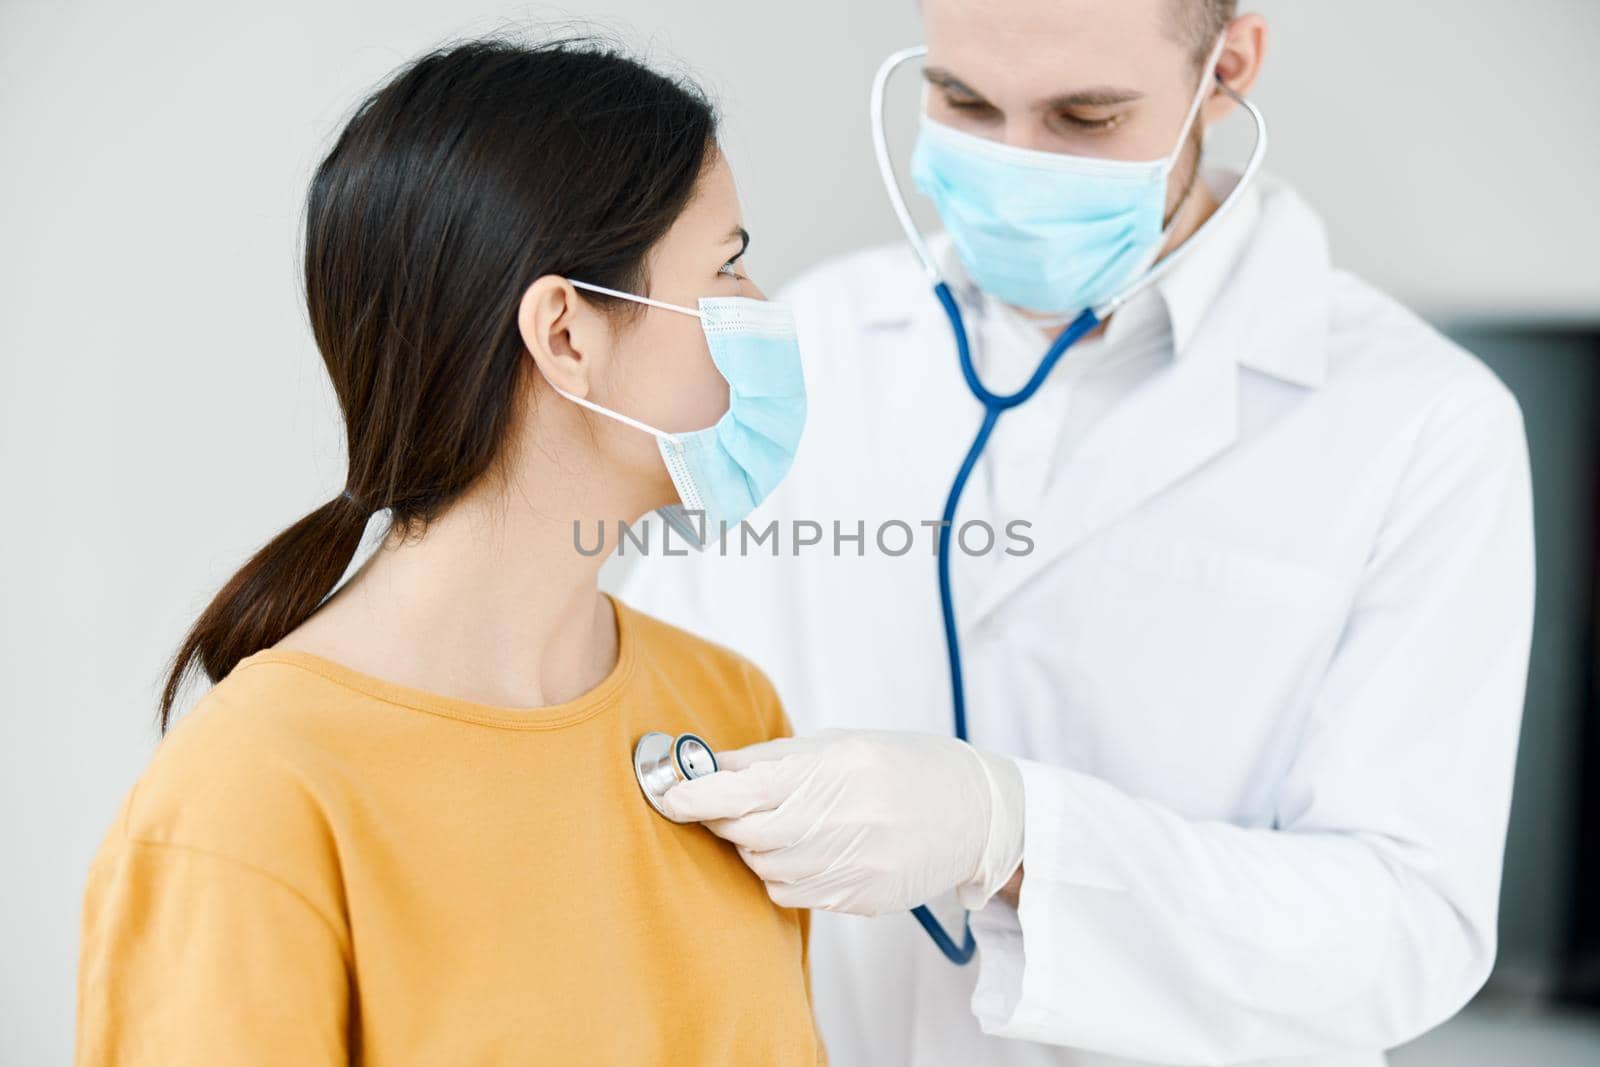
column 880, row 149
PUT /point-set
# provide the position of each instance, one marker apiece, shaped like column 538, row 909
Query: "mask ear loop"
column 626, row 420
column 1208, row 80
column 1208, row 76
column 619, row 294
column 1252, row 166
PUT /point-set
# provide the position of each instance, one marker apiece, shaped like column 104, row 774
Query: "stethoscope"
column 661, row 761
column 996, row 403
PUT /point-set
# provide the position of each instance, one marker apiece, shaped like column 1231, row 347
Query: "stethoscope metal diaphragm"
column 661, row 761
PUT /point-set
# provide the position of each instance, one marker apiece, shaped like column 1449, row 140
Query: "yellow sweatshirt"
column 323, row 867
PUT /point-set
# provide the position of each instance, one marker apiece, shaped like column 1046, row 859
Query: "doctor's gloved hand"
column 864, row 821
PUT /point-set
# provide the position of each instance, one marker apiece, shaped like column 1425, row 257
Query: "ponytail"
column 281, row 586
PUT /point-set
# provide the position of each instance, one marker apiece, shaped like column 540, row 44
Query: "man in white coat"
column 1245, row 647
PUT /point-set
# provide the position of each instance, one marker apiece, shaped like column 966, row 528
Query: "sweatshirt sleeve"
column 188, row 957
column 1366, row 915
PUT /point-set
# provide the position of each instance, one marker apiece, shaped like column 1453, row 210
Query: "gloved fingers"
column 727, row 794
column 811, row 864
column 782, row 866
column 738, row 759
column 784, row 827
column 763, row 831
column 789, row 896
column 800, row 814
column 834, row 890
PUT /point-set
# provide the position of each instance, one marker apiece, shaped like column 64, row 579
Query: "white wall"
column 163, row 411
column 1453, row 145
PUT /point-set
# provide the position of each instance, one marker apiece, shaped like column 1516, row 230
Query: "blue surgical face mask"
column 723, row 471
column 1046, row 231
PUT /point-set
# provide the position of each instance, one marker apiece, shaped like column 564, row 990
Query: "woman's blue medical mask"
column 723, row 471
column 1046, row 231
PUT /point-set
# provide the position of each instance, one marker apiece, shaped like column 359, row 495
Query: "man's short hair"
column 1200, row 22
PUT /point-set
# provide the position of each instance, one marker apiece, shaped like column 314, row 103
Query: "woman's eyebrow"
column 740, row 234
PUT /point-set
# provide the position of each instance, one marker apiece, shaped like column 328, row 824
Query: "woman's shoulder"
column 720, row 676
column 243, row 776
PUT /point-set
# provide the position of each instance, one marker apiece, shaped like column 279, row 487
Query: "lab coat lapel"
column 1168, row 427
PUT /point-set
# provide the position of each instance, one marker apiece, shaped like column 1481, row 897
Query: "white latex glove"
column 864, row 821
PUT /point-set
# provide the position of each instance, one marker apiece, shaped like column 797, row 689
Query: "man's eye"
column 1081, row 122
column 968, row 105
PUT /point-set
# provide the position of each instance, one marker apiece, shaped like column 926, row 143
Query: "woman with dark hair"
column 402, row 826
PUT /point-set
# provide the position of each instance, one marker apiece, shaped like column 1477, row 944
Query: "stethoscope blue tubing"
column 993, row 405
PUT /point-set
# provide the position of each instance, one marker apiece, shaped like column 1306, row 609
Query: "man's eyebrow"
column 1095, row 96
column 1098, row 96
column 945, row 80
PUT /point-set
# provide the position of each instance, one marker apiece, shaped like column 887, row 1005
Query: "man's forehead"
column 1051, row 46
column 1082, row 69
column 1019, row 23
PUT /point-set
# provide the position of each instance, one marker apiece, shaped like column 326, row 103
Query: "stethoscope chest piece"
column 661, row 761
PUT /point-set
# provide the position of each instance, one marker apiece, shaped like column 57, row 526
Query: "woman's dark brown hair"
column 472, row 171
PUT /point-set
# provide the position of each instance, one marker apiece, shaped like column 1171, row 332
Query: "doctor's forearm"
column 1247, row 943
column 1365, row 912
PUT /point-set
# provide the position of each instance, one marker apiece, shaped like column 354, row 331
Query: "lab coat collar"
column 1193, row 284
column 1274, row 305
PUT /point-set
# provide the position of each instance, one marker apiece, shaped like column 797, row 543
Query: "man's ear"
column 562, row 332
column 1239, row 65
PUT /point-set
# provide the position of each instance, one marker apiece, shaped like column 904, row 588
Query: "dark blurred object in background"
column 1550, row 900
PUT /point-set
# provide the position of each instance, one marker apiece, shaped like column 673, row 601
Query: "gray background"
column 163, row 409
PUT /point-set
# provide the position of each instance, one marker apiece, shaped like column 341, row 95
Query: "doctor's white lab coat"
column 1263, row 666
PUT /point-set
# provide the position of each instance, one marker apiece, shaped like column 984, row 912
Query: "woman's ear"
column 563, row 333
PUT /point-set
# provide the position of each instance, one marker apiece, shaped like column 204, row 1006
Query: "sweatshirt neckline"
column 543, row 717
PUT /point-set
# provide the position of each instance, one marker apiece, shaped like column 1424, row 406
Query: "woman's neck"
column 494, row 603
